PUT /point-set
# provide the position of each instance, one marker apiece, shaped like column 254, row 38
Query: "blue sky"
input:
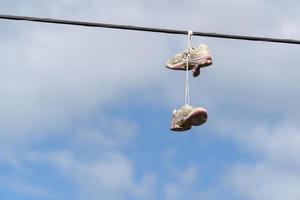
column 85, row 112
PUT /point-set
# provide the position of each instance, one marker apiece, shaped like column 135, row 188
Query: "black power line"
column 148, row 29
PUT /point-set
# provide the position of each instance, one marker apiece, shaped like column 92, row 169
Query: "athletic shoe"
column 186, row 117
column 198, row 57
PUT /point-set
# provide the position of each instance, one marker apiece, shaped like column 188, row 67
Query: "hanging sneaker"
column 186, row 117
column 198, row 57
column 177, row 123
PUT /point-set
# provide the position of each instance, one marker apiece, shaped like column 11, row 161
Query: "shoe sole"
column 180, row 128
column 196, row 118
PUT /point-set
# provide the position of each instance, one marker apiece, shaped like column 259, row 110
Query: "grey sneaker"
column 198, row 57
column 186, row 117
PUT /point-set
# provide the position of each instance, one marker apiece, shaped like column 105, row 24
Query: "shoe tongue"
column 202, row 46
column 186, row 106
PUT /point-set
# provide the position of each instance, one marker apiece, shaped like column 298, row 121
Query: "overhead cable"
column 147, row 29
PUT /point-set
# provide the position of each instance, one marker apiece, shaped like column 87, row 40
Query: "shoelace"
column 187, row 83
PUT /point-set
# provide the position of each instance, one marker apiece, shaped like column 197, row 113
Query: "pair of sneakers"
column 186, row 117
column 197, row 58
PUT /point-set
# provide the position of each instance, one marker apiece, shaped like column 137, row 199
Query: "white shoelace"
column 187, row 83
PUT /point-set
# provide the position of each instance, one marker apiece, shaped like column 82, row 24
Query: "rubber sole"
column 196, row 118
column 180, row 128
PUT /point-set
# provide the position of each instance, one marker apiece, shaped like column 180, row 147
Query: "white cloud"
column 184, row 184
column 264, row 181
column 50, row 85
column 273, row 172
column 24, row 187
column 110, row 177
column 109, row 134
column 280, row 144
column 92, row 164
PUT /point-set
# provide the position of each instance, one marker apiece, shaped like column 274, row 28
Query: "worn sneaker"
column 186, row 117
column 198, row 57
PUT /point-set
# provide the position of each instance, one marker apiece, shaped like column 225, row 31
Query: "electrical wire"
column 147, row 29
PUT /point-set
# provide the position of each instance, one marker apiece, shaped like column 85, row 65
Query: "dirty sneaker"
column 186, row 117
column 198, row 57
